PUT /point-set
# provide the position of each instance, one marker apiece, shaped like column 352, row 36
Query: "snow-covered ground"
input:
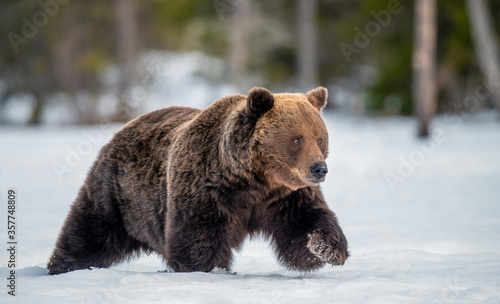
column 422, row 221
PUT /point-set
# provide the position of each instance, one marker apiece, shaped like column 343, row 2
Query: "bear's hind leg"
column 91, row 238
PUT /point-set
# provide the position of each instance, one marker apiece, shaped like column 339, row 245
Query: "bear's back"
column 150, row 132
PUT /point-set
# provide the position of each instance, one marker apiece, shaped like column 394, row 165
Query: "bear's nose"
column 319, row 170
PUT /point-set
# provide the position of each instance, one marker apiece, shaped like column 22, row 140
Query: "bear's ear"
column 259, row 101
column 317, row 97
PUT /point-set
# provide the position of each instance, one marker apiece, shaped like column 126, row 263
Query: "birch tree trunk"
column 485, row 46
column 424, row 64
column 127, row 39
column 307, row 61
column 240, row 45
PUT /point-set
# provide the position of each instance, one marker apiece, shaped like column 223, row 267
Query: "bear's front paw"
column 330, row 249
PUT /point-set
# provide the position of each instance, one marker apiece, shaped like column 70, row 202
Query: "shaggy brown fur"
column 191, row 185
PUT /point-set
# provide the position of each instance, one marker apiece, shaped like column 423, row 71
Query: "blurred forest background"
column 94, row 61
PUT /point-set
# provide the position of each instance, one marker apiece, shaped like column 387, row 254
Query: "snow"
column 433, row 237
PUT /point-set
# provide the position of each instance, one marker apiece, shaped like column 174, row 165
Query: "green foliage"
column 392, row 55
column 455, row 46
column 89, row 27
column 188, row 25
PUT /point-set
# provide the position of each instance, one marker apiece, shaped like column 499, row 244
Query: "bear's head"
column 292, row 139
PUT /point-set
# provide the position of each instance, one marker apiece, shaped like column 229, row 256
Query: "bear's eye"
column 320, row 141
column 297, row 141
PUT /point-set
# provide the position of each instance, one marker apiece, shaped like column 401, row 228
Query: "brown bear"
column 192, row 184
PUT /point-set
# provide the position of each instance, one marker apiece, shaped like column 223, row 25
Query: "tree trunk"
column 307, row 63
column 127, row 38
column 69, row 49
column 485, row 46
column 240, row 46
column 37, row 110
column 424, row 64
